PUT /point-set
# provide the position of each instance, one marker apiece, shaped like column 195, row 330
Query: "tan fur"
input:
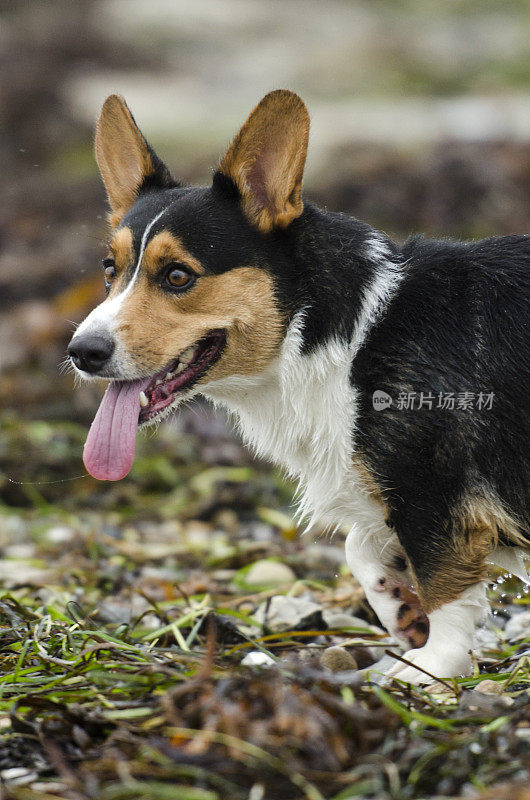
column 121, row 248
column 122, row 155
column 487, row 516
column 266, row 160
column 369, row 483
column 164, row 248
column 478, row 523
column 241, row 302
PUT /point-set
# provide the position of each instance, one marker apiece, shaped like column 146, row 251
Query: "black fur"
column 458, row 322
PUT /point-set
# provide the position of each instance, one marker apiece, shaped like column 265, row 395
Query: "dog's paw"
column 400, row 611
column 433, row 660
column 412, row 624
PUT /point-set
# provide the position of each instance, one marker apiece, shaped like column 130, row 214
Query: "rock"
column 486, row 639
column 289, row 613
column 518, row 625
column 60, row 534
column 256, row 658
column 339, row 619
column 22, row 550
column 324, row 556
column 377, row 673
column 18, row 776
column 441, row 688
column 337, row 659
column 269, row 573
column 489, row 687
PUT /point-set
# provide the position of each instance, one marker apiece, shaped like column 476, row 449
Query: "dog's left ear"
column 266, row 160
column 126, row 161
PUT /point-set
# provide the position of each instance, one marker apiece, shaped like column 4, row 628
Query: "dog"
column 391, row 381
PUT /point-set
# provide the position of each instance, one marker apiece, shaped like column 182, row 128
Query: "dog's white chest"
column 301, row 415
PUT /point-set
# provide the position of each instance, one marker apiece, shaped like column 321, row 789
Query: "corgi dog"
column 392, row 381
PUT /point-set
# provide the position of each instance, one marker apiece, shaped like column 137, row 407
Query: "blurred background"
column 420, row 122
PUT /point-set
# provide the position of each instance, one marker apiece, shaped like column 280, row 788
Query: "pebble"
column 322, row 556
column 339, row 619
column 486, row 639
column 269, row 573
column 518, row 625
column 59, row 534
column 337, row 659
column 18, row 775
column 24, row 550
column 489, row 687
column 256, row 658
column 289, row 613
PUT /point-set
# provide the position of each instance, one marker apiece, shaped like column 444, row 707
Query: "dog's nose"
column 90, row 353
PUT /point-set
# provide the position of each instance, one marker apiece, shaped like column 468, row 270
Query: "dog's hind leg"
column 451, row 630
column 449, row 568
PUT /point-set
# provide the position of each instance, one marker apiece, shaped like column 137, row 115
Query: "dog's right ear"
column 125, row 160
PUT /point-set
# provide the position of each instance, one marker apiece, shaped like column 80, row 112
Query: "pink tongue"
column 109, row 448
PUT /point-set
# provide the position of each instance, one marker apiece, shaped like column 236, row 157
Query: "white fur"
column 370, row 549
column 301, row 412
column 387, row 277
column 451, row 631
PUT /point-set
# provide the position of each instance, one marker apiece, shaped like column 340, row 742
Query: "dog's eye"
column 178, row 277
column 109, row 270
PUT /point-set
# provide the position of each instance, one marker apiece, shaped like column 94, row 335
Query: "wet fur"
column 322, row 311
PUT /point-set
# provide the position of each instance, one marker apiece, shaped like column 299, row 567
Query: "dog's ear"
column 126, row 161
column 266, row 160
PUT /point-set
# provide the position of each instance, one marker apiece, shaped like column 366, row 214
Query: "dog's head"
column 193, row 274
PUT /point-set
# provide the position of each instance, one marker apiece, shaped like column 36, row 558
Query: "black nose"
column 90, row 353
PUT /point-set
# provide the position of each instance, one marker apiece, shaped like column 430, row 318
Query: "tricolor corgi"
column 391, row 381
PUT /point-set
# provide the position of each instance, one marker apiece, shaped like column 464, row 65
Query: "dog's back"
column 297, row 320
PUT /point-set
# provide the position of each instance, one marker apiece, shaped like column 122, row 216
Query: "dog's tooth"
column 181, row 367
column 169, row 375
column 158, row 381
column 143, row 400
column 188, row 354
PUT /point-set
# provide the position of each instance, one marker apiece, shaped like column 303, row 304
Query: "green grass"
column 123, row 626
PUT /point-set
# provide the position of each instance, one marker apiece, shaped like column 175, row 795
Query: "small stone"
column 60, row 534
column 489, row 687
column 223, row 575
column 441, row 688
column 256, row 658
column 289, row 613
column 337, row 659
column 338, row 619
column 269, row 573
column 19, row 776
column 227, row 520
column 518, row 625
column 24, row 550
column 486, row 639
column 324, row 556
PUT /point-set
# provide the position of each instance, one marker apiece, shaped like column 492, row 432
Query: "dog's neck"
column 300, row 414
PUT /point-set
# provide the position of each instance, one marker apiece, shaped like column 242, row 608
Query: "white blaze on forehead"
column 143, row 245
column 102, row 319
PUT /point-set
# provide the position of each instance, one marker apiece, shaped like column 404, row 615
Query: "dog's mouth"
column 126, row 405
column 179, row 376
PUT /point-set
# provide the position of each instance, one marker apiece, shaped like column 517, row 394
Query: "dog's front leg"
column 378, row 562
